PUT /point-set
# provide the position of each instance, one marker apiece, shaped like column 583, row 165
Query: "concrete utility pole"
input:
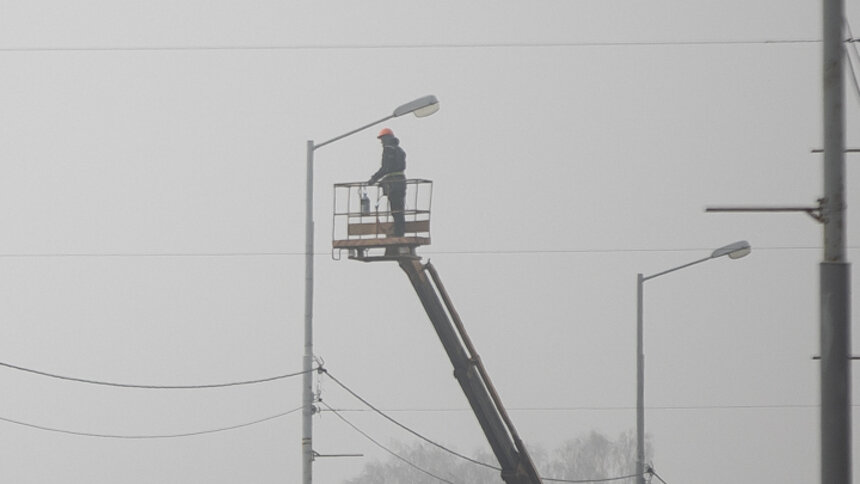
column 834, row 270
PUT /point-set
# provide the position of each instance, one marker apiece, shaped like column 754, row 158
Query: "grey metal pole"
column 734, row 250
column 307, row 360
column 640, row 385
column 640, row 365
column 834, row 273
column 308, row 408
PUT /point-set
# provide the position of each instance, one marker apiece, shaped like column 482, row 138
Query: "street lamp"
column 421, row 107
column 733, row 251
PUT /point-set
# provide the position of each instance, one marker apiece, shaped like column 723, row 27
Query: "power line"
column 386, row 449
column 143, row 437
column 586, row 408
column 404, row 427
column 154, row 387
column 406, row 46
column 852, row 40
column 585, row 481
column 654, row 473
column 606, row 251
column 62, row 255
column 446, row 449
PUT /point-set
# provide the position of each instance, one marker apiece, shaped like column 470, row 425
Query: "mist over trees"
column 592, row 456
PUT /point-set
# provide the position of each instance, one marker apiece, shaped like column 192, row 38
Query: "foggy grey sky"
column 152, row 205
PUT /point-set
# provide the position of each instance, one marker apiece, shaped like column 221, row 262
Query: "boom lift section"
column 515, row 462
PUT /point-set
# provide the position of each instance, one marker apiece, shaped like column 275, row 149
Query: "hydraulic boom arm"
column 516, row 464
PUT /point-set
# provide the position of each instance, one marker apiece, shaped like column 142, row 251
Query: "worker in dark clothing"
column 392, row 177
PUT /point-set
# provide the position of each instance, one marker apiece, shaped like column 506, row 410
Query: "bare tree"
column 595, row 456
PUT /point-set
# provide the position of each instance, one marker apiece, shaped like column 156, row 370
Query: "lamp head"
column 421, row 107
column 735, row 250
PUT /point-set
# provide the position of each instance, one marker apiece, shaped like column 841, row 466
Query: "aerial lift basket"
column 363, row 225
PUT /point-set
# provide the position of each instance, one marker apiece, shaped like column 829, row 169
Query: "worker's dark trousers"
column 396, row 193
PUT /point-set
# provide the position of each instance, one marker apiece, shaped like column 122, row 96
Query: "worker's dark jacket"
column 392, row 174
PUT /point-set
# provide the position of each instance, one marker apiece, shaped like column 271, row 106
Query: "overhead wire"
column 372, row 408
column 603, row 251
column 154, row 387
column 742, row 406
column 654, row 473
column 386, row 449
column 854, row 80
column 63, row 255
column 442, row 447
column 585, row 481
column 407, row 46
column 145, row 437
column 852, row 40
column 255, row 422
column 266, row 419
column 404, row 427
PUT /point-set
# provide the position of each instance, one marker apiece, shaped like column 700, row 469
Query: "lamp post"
column 734, row 251
column 421, row 107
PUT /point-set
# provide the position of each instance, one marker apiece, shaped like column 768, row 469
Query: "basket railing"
column 362, row 215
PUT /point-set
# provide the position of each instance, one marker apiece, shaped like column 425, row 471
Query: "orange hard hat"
column 385, row 132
